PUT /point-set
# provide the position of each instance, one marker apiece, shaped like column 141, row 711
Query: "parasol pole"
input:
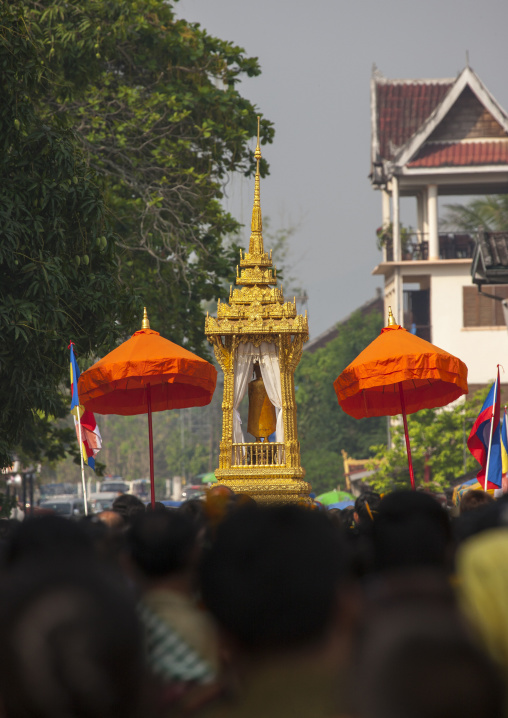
column 491, row 430
column 406, row 434
column 145, row 324
column 150, row 443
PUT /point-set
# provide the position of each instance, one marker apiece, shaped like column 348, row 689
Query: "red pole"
column 150, row 443
column 406, row 434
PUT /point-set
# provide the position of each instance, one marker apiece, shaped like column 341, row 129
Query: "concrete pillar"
column 425, row 215
column 385, row 197
column 398, row 309
column 420, row 216
column 386, row 215
column 397, row 253
column 433, row 222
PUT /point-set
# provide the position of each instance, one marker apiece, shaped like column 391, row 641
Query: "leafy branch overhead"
column 155, row 104
column 57, row 257
column 119, row 124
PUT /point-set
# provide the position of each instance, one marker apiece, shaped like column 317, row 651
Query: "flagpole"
column 85, row 499
column 491, row 429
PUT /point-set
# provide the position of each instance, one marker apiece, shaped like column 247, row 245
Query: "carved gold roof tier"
column 256, row 307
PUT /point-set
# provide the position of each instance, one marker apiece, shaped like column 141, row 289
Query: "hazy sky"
column 316, row 60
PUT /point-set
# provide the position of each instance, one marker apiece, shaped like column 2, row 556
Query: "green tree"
column 156, row 105
column 438, row 440
column 324, row 429
column 490, row 212
column 57, row 256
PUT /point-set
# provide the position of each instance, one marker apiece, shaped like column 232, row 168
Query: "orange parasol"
column 400, row 373
column 144, row 374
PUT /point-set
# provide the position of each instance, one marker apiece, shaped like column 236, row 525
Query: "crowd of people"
column 224, row 607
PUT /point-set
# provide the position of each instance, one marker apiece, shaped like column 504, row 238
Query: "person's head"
column 366, row 506
column 411, row 530
column 71, row 643
column 162, row 544
column 48, row 535
column 128, row 506
column 473, row 498
column 218, row 502
column 422, row 663
column 112, row 519
column 271, row 577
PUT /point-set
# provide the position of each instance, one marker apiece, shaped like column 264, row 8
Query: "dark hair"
column 270, row 578
column 71, row 643
column 428, row 668
column 128, row 506
column 161, row 542
column 473, row 498
column 195, row 509
column 366, row 505
column 52, row 536
column 411, row 530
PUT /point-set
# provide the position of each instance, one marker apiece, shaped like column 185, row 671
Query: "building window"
column 482, row 311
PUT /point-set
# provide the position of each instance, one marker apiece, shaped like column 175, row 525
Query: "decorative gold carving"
column 256, row 312
column 256, row 275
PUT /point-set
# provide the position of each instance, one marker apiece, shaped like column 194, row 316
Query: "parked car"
column 115, row 485
column 193, row 492
column 68, row 506
column 102, row 500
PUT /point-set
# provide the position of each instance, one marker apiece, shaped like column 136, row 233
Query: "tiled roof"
column 402, row 108
column 490, row 259
column 458, row 154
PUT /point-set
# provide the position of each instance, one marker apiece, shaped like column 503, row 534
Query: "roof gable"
column 400, row 108
column 467, row 119
column 409, row 115
column 467, row 79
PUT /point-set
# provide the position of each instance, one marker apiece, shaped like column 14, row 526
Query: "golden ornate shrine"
column 257, row 325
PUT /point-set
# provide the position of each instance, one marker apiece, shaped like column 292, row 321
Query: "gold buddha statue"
column 262, row 419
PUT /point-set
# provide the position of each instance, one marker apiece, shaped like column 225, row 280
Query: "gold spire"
column 256, row 237
column 391, row 319
column 256, row 303
column 145, row 324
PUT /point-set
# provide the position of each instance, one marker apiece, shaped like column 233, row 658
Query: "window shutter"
column 470, row 306
column 482, row 311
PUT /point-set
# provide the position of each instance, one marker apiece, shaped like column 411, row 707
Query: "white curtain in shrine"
column 270, row 372
column 244, row 360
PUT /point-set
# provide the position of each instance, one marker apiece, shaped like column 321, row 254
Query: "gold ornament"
column 256, row 312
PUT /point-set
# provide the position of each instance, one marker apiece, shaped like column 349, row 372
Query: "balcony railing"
column 259, row 454
column 451, row 246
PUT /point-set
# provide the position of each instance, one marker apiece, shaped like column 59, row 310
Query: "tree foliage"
column 186, row 443
column 156, row 105
column 438, row 440
column 490, row 212
column 324, row 429
column 57, row 257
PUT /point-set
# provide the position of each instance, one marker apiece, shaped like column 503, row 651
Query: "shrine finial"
column 256, row 237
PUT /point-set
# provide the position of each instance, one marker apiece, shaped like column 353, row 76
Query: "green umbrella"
column 333, row 497
column 208, row 478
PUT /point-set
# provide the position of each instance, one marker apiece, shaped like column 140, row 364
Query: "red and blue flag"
column 91, row 440
column 485, row 439
column 504, row 452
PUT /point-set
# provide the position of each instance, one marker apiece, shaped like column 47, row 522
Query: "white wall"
column 481, row 349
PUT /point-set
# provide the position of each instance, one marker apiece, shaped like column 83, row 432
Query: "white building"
column 432, row 138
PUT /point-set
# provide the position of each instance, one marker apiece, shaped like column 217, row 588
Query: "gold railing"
column 259, row 454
